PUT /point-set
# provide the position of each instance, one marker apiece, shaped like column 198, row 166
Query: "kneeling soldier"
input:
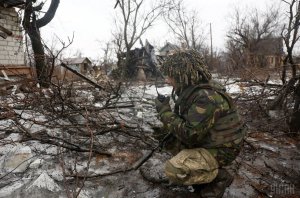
column 207, row 129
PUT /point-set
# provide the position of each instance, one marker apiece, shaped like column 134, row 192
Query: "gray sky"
column 92, row 22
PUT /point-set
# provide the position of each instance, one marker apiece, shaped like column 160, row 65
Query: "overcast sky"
column 92, row 22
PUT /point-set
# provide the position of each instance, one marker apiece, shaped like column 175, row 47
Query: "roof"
column 75, row 61
column 11, row 3
column 270, row 46
column 169, row 46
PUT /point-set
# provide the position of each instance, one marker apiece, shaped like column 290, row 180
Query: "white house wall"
column 11, row 48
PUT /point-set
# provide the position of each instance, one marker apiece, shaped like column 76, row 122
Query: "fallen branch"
column 47, row 140
column 82, row 76
column 149, row 155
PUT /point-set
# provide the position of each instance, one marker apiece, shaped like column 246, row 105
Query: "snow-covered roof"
column 76, row 60
column 169, row 46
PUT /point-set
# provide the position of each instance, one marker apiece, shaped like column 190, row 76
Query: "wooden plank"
column 18, row 71
column 82, row 76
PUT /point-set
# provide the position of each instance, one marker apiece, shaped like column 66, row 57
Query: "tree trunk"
column 295, row 124
column 31, row 26
column 39, row 55
column 284, row 68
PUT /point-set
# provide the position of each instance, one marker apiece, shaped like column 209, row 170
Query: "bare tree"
column 32, row 25
column 290, row 88
column 248, row 29
column 107, row 59
column 136, row 18
column 185, row 25
column 290, row 35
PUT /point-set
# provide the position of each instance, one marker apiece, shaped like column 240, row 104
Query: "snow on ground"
column 233, row 89
column 8, row 190
column 44, row 172
column 46, row 182
column 152, row 90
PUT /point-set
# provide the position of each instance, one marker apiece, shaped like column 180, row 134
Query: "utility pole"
column 211, row 46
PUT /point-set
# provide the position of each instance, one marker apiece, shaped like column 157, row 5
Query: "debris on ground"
column 81, row 141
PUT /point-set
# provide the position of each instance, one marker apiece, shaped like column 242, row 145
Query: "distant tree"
column 290, row 35
column 290, row 88
column 247, row 30
column 185, row 25
column 136, row 17
column 107, row 60
column 32, row 26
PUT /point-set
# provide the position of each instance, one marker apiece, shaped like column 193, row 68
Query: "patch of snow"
column 49, row 149
column 84, row 194
column 268, row 147
column 28, row 114
column 139, row 114
column 57, row 174
column 275, row 82
column 233, row 89
column 100, row 168
column 151, row 90
column 17, row 159
column 6, row 148
column 253, row 90
column 33, row 127
column 24, row 150
column 8, row 190
column 20, row 96
column 4, row 124
column 46, row 182
column 99, row 104
column 271, row 97
column 15, row 137
column 36, row 163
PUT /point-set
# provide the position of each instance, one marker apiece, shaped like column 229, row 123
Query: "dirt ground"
column 268, row 164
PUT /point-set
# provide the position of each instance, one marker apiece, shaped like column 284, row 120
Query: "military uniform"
column 205, row 117
column 207, row 129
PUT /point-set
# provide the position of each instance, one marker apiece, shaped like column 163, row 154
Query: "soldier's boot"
column 218, row 186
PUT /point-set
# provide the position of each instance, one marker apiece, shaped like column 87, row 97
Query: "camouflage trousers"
column 224, row 155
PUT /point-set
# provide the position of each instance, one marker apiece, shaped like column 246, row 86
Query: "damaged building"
column 141, row 64
column 12, row 56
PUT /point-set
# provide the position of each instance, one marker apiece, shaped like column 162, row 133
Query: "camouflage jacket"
column 205, row 116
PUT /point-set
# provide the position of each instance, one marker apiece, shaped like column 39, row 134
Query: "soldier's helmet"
column 186, row 67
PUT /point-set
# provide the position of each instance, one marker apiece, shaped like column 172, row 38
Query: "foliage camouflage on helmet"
column 186, row 67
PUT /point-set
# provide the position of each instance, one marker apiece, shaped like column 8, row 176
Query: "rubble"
column 17, row 159
column 98, row 142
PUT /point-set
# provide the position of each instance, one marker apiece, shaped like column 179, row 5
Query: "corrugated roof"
column 11, row 3
column 69, row 61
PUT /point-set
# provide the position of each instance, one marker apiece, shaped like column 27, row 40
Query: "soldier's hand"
column 162, row 104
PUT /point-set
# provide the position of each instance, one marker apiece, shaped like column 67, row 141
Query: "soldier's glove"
column 162, row 104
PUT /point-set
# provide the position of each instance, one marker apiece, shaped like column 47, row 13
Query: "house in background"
column 168, row 49
column 12, row 56
column 81, row 65
column 267, row 53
